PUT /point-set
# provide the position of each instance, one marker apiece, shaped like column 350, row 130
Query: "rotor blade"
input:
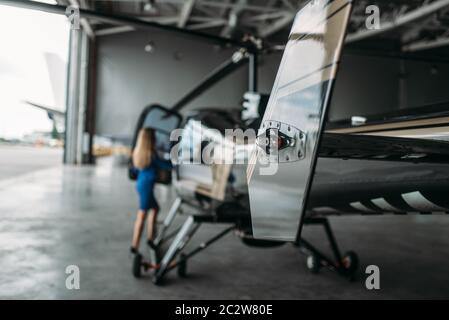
column 216, row 75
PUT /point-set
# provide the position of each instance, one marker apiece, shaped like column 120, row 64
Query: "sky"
column 26, row 36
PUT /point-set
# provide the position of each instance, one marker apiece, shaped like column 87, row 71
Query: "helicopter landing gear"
column 346, row 265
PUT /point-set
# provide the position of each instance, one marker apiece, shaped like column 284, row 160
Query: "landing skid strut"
column 345, row 265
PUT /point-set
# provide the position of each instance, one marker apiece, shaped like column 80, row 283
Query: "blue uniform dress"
column 145, row 183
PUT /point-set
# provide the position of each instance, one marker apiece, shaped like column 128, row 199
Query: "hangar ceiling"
column 406, row 25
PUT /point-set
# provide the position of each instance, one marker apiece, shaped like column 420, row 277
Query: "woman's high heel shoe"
column 151, row 244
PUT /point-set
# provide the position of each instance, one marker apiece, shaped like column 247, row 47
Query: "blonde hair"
column 144, row 150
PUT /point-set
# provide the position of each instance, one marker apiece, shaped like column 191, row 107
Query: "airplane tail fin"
column 57, row 71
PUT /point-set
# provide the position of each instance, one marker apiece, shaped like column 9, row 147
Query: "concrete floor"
column 59, row 216
column 19, row 160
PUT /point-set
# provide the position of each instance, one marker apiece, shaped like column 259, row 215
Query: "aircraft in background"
column 56, row 116
column 56, row 68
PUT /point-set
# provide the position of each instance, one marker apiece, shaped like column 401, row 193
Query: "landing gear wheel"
column 182, row 266
column 313, row 263
column 137, row 265
column 350, row 262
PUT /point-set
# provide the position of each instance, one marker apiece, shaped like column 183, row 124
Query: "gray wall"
column 427, row 83
column 130, row 78
column 364, row 86
column 370, row 85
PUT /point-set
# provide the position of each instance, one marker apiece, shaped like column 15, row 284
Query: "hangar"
column 375, row 145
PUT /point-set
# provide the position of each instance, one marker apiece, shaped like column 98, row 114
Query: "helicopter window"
column 163, row 123
column 159, row 120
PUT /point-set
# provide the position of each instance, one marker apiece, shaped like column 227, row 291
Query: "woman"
column 146, row 162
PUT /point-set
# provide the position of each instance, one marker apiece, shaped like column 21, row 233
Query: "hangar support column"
column 78, row 137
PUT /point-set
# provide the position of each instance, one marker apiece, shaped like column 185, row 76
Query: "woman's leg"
column 138, row 227
column 151, row 232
